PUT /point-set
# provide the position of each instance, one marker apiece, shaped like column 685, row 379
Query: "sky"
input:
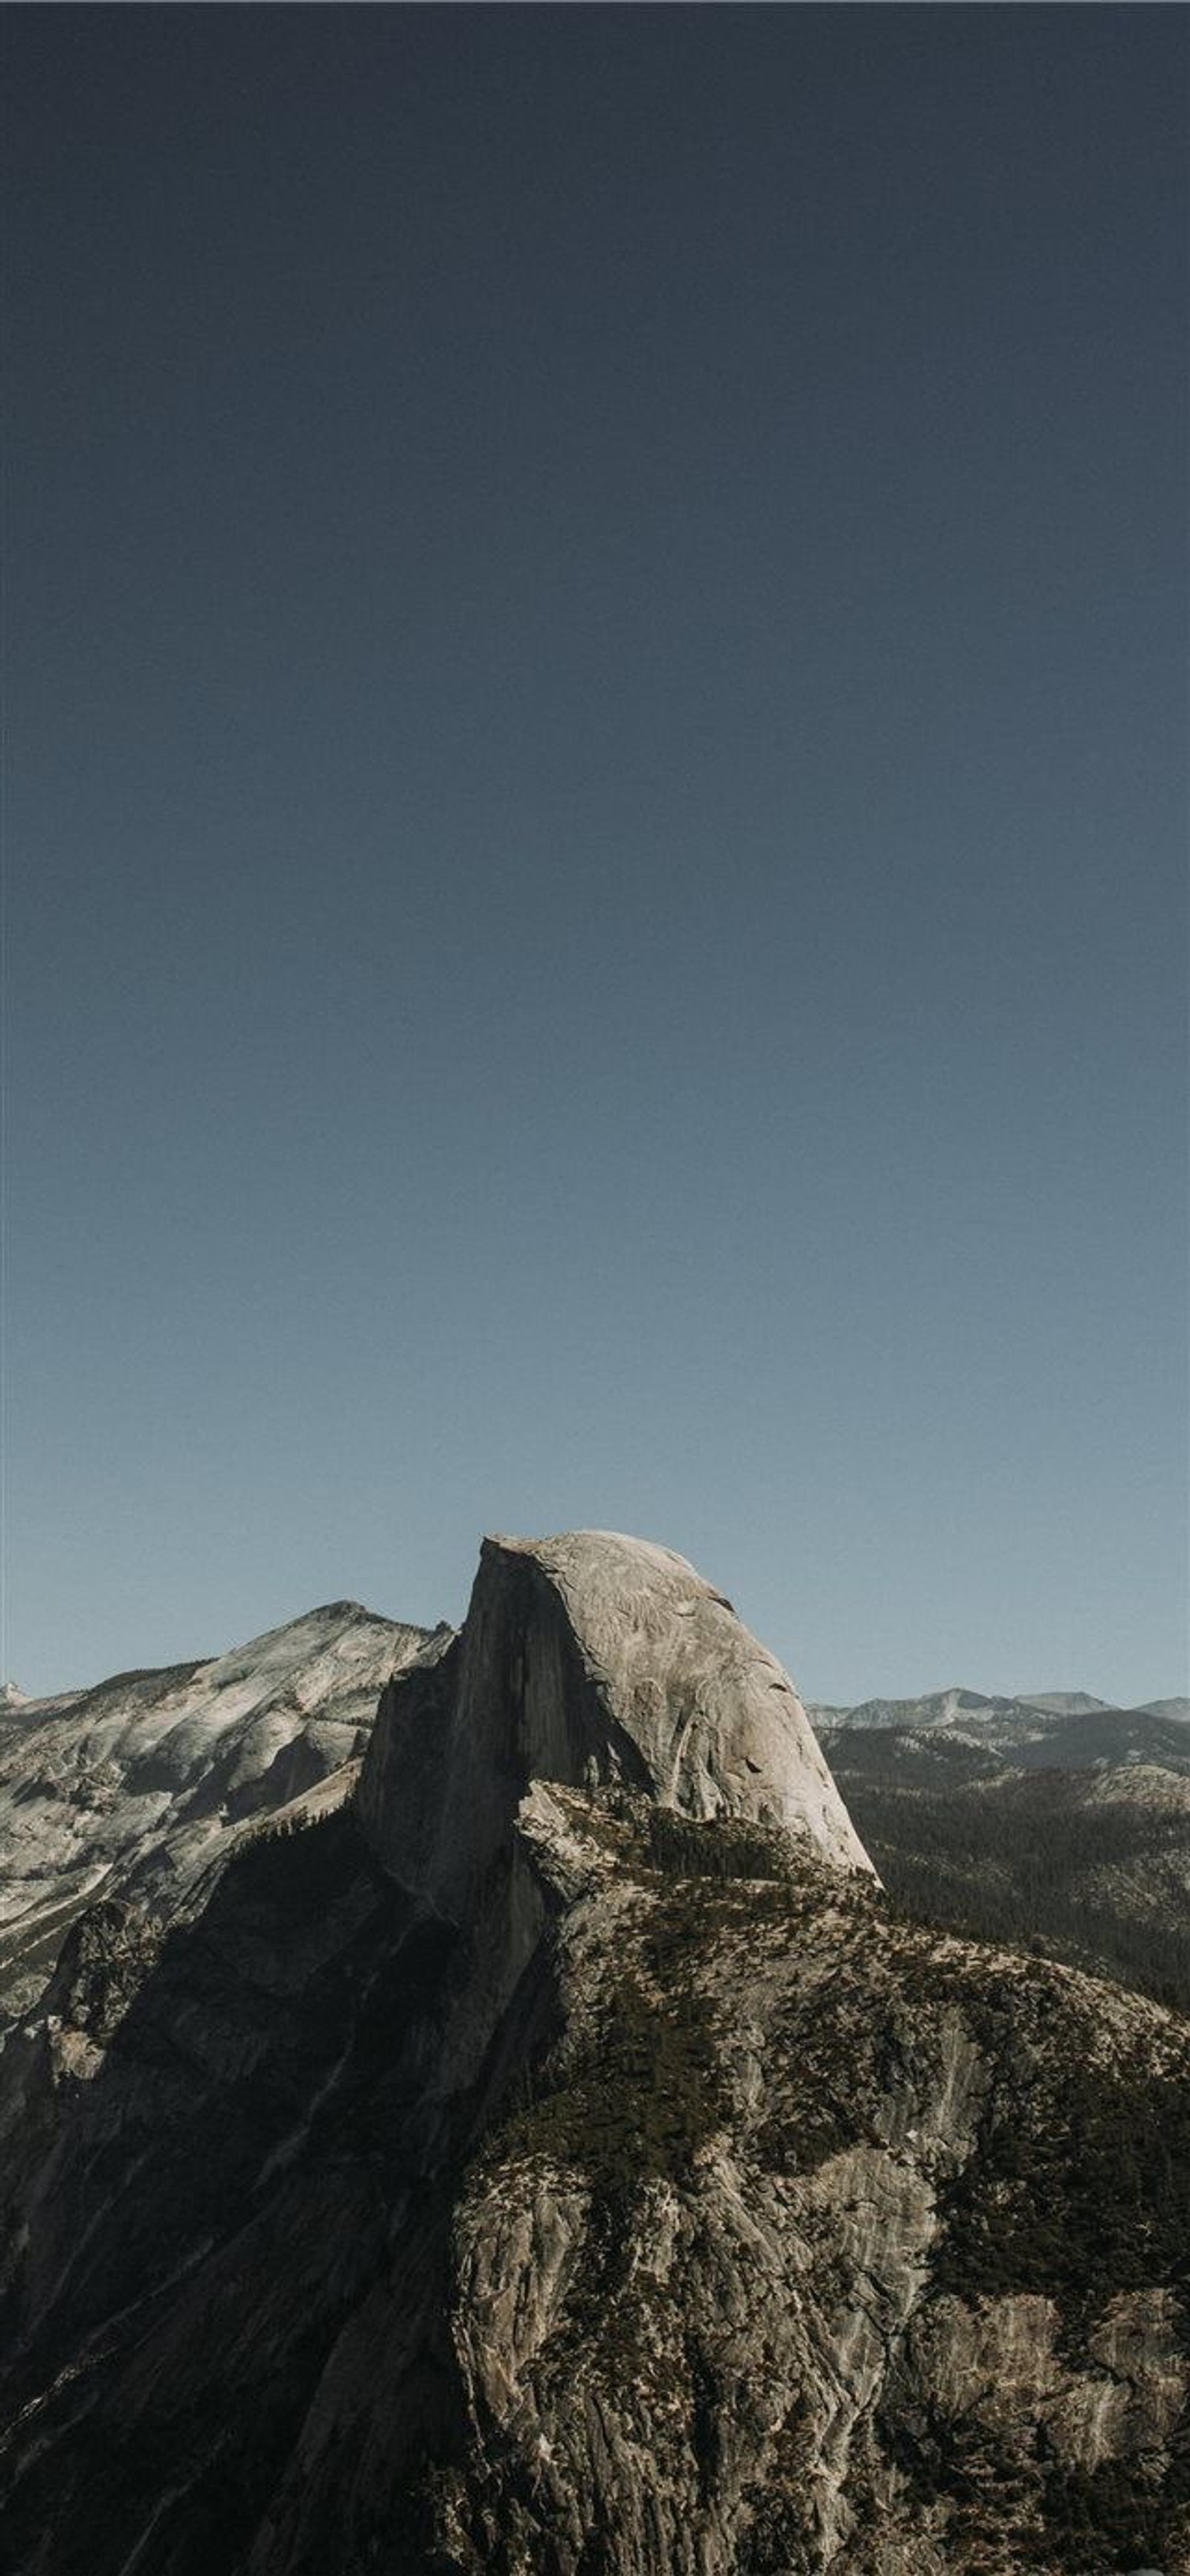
column 596, row 635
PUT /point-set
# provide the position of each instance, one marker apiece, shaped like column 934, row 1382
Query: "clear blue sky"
column 596, row 822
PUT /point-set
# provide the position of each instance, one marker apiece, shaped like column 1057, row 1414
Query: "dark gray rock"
column 558, row 2160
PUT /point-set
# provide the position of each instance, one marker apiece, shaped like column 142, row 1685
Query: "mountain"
column 935, row 1708
column 1060, row 1730
column 147, row 1780
column 1072, row 1831
column 1110, row 1736
column 1178, row 1710
column 559, row 2156
column 1065, row 1703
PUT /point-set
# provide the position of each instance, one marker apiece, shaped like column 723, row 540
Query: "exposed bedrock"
column 588, row 1659
column 552, row 2155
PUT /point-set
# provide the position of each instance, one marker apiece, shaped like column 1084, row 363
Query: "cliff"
column 593, row 1660
column 561, row 2158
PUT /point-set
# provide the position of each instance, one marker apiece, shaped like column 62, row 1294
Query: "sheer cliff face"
column 561, row 2162
column 591, row 1659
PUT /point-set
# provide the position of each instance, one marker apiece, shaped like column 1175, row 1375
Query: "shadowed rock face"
column 149, row 1781
column 556, row 2159
column 591, row 1659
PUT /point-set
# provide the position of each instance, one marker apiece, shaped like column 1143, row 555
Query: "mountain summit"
column 145, row 1783
column 593, row 1660
column 542, row 2150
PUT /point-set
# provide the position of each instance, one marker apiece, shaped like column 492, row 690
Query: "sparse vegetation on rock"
column 631, row 2186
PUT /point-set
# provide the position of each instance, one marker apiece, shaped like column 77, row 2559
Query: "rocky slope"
column 560, row 2158
column 141, row 1784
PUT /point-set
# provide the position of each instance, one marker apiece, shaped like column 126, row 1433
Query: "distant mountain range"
column 1057, row 1820
column 1052, row 1730
column 957, row 1707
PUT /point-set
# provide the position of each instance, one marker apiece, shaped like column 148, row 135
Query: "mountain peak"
column 589, row 1658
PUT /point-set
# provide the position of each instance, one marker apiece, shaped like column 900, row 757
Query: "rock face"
column 558, row 2160
column 595, row 1660
column 145, row 1782
column 802, row 2217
